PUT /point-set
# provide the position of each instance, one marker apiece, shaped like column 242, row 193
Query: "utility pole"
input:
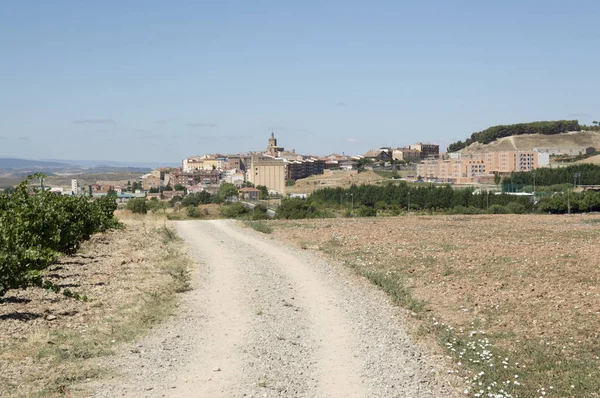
column 533, row 174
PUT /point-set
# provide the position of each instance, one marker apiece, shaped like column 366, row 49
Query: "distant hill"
column 497, row 132
column 14, row 170
column 531, row 141
column 112, row 163
column 14, row 163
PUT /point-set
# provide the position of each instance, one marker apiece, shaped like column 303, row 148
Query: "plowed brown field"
column 530, row 283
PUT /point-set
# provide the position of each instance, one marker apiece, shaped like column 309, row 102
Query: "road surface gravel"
column 269, row 320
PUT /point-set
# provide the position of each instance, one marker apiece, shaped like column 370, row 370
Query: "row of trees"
column 580, row 174
column 37, row 226
column 493, row 133
column 367, row 200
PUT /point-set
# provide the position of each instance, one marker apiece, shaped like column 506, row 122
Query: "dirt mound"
column 343, row 179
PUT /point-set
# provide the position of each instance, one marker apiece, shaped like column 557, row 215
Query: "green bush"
column 260, row 213
column 498, row 209
column 298, row 208
column 195, row 199
column 516, row 208
column 233, row 210
column 37, row 227
column 193, row 212
column 137, row 206
column 465, row 210
column 365, row 211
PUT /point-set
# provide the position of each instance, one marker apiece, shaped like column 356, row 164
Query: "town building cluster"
column 276, row 168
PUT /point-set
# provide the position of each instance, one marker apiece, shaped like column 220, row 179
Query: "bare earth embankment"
column 514, row 299
column 527, row 142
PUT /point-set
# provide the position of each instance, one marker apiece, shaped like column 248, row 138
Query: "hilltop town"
column 278, row 169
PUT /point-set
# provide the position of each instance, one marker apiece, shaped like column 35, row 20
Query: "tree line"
column 391, row 199
column 580, row 174
column 493, row 133
column 367, row 200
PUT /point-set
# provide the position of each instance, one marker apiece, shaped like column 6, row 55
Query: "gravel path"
column 267, row 320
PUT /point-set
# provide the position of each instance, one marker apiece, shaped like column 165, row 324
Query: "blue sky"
column 159, row 81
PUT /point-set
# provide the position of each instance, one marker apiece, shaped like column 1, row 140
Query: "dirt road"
column 268, row 320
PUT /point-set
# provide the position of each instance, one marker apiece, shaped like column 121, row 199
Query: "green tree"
column 362, row 162
column 137, row 206
column 227, row 190
column 290, row 183
column 264, row 192
column 497, row 179
column 179, row 187
column 168, row 188
column 153, row 190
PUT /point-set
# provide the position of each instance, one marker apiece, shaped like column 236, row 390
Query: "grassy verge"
column 51, row 358
column 260, row 226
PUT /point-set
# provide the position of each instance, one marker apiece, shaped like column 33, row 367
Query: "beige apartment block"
column 268, row 172
column 193, row 163
column 469, row 168
column 407, row 154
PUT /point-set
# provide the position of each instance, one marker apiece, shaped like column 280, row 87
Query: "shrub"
column 37, row 228
column 260, row 226
column 365, row 211
column 497, row 209
column 193, row 212
column 137, row 206
column 233, row 210
column 195, row 199
column 297, row 208
column 516, row 208
column 260, row 213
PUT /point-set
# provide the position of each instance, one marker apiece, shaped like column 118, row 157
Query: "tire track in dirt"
column 270, row 320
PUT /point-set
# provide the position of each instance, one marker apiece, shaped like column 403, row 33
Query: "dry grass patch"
column 515, row 300
column 48, row 341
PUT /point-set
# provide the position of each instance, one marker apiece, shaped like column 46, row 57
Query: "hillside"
column 343, row 179
column 14, row 163
column 494, row 133
column 530, row 141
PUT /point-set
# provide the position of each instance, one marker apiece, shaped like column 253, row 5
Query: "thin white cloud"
column 353, row 140
column 94, row 121
column 341, row 103
column 27, row 139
